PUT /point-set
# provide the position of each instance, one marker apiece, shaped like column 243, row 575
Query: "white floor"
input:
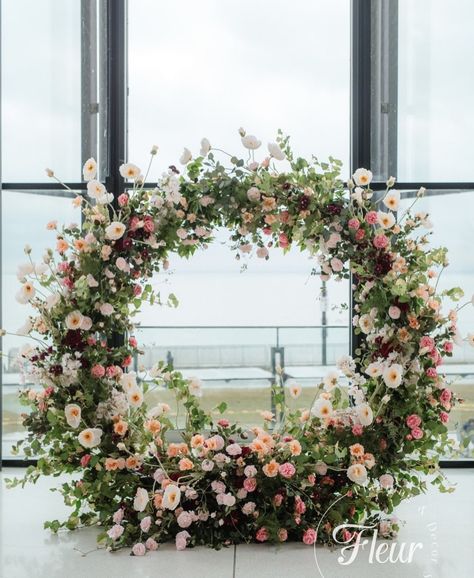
column 442, row 524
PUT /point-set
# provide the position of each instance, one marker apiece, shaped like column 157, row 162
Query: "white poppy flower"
column 171, row 497
column 185, row 157
column 392, row 200
column 276, row 152
column 362, row 177
column 365, row 414
column 141, row 500
column 105, row 199
column 52, row 300
column 129, row 171
column 114, row 231
column 89, row 170
column 25, row 328
column 128, row 381
column 392, row 375
column 375, row 369
column 357, row 474
column 322, row 408
column 73, row 415
column 26, row 293
column 251, row 142
column 74, row 320
column 295, row 390
column 386, row 220
column 95, row 189
column 90, row 437
column 135, row 397
column 330, row 380
column 205, row 147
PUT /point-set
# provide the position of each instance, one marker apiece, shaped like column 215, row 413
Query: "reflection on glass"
column 435, row 86
column 24, row 218
column 41, row 91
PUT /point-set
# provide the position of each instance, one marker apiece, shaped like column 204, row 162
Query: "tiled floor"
column 442, row 524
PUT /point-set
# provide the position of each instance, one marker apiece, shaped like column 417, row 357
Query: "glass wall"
column 435, row 86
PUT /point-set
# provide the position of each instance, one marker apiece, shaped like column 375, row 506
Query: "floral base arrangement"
column 376, row 427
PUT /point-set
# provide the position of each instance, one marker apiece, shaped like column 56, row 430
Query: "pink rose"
column 413, row 420
column 85, row 460
column 372, row 218
column 353, row 224
column 223, row 422
column 282, row 535
column 98, row 371
column 233, row 450
column 358, row 429
column 181, row 540
column 145, row 524
column 115, row 532
column 360, row 234
column 151, row 544
column 262, row 535
column 185, row 519
column 250, row 484
column 123, row 199
column 137, row 290
column 431, row 372
column 283, row 241
column 417, row 433
column 337, row 265
column 386, row 481
column 394, row 312
column 445, row 396
column 448, row 346
column 427, row 342
column 444, row 417
column 118, row 516
column 310, row 536
column 248, row 508
column 380, row 241
column 148, row 225
column 218, row 487
column 250, row 471
column 287, row 470
column 278, row 500
column 300, row 506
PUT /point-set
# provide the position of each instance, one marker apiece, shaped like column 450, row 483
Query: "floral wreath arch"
column 352, row 456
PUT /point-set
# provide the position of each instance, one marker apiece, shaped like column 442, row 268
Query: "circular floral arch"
column 351, row 457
